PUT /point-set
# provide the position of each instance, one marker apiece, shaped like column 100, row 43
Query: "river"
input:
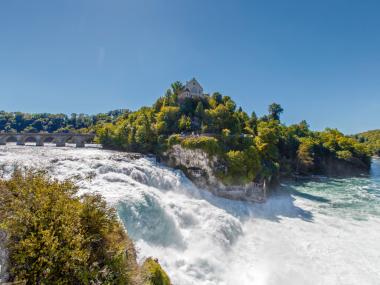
column 325, row 231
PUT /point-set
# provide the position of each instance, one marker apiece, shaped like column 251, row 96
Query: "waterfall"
column 302, row 235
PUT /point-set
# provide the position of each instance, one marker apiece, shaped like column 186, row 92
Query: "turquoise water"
column 358, row 197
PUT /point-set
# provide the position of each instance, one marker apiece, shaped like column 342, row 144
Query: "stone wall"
column 200, row 168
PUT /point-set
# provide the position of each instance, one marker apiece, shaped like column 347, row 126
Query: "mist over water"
column 325, row 231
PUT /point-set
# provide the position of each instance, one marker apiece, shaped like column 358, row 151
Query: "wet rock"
column 201, row 167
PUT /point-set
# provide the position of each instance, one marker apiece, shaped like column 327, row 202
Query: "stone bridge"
column 60, row 139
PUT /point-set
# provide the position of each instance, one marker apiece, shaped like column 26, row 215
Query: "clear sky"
column 319, row 59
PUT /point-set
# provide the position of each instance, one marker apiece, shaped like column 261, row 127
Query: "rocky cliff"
column 200, row 167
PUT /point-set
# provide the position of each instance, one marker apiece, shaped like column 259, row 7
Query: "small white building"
column 192, row 89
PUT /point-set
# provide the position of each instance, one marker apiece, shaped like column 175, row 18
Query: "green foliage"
column 24, row 122
column 135, row 132
column 221, row 117
column 56, row 237
column 174, row 139
column 167, row 120
column 184, row 123
column 208, row 144
column 275, row 110
column 153, row 274
column 371, row 140
column 243, row 166
column 200, row 111
column 305, row 154
column 341, row 145
column 267, row 139
column 344, row 154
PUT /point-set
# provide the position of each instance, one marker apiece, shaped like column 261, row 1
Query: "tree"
column 184, row 123
column 167, row 120
column 305, row 155
column 217, row 97
column 252, row 123
column 275, row 110
column 243, row 166
column 199, row 111
column 267, row 140
column 177, row 87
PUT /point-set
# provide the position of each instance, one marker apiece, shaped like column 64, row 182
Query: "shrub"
column 242, row 166
column 174, row 139
column 344, row 154
column 153, row 274
column 208, row 144
column 56, row 237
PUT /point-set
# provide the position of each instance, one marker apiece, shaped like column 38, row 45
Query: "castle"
column 192, row 89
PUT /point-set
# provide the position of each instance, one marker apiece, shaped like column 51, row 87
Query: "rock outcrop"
column 200, row 167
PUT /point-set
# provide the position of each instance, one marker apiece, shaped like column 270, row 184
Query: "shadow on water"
column 310, row 197
column 280, row 204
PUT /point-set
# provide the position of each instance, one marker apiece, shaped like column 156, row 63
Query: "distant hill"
column 371, row 139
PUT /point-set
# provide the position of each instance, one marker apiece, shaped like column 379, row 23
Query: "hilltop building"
column 192, row 90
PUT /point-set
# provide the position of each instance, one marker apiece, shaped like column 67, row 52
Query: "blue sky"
column 319, row 59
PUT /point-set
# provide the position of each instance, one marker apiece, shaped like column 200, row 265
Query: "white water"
column 325, row 232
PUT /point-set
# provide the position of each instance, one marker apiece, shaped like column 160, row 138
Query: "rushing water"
column 326, row 231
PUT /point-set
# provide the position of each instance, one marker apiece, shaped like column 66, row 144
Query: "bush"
column 344, row 154
column 153, row 273
column 208, row 144
column 56, row 237
column 174, row 139
column 242, row 166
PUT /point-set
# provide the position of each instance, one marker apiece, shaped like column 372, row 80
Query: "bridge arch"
column 11, row 139
column 6, row 139
column 48, row 139
column 37, row 139
column 29, row 139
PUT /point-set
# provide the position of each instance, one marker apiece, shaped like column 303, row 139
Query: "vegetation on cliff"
column 55, row 236
column 153, row 273
column 371, row 139
column 253, row 148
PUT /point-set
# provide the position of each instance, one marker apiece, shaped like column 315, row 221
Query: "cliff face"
column 199, row 167
column 331, row 166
